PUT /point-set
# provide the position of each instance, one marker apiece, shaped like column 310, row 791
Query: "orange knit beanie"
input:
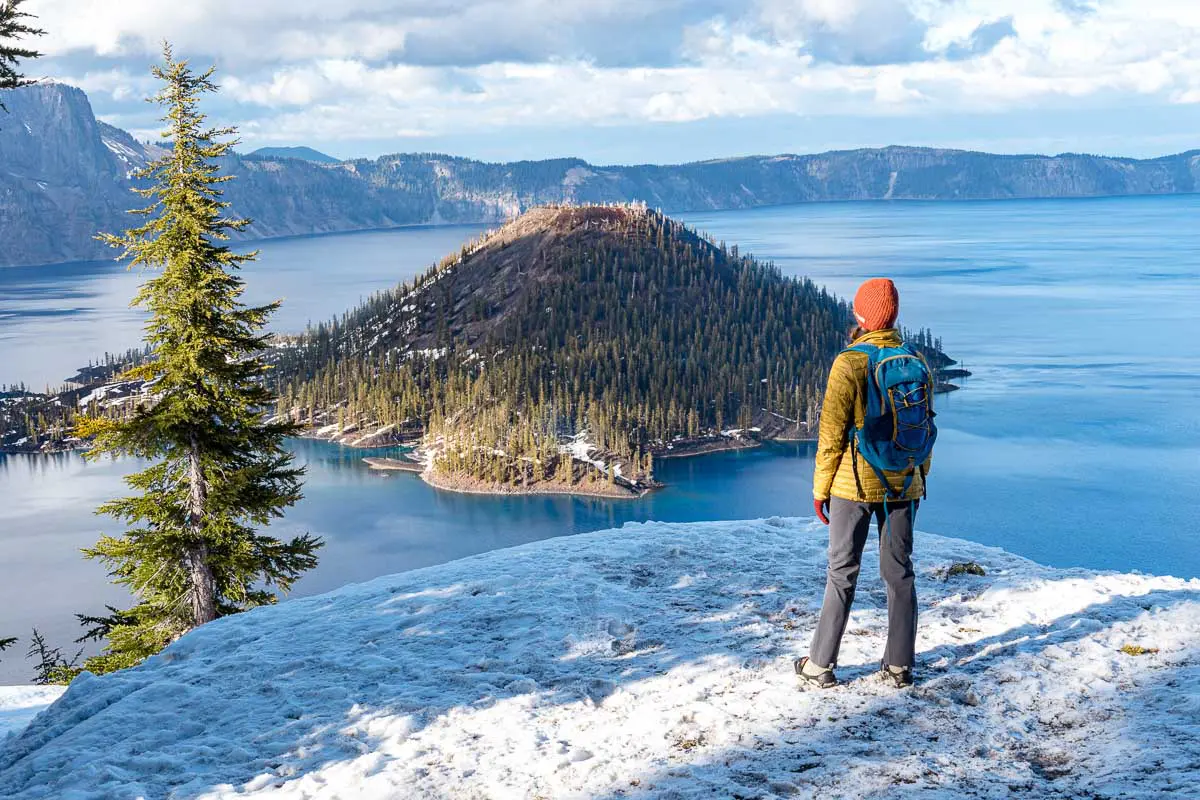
column 876, row 304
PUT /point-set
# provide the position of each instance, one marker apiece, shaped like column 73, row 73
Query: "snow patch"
column 576, row 176
column 580, row 449
column 372, row 435
column 432, row 353
column 123, row 152
column 650, row 661
column 111, row 394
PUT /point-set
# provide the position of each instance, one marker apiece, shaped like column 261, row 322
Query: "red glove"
column 822, row 509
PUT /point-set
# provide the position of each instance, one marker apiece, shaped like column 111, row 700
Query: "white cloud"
column 115, row 83
column 848, row 31
column 295, row 69
column 331, row 80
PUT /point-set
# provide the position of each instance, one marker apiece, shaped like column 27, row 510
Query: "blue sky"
column 654, row 80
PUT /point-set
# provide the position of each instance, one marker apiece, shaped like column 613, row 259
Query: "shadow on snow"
column 274, row 695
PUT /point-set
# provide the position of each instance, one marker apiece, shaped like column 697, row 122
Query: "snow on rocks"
column 370, row 436
column 113, row 394
column 652, row 661
column 429, row 354
column 579, row 448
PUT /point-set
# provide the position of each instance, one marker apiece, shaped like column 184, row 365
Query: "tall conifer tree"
column 192, row 552
column 14, row 26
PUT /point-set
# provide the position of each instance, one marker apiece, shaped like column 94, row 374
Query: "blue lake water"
column 1076, row 443
column 51, row 317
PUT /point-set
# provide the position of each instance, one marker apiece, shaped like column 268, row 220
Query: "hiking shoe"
column 900, row 677
column 814, row 675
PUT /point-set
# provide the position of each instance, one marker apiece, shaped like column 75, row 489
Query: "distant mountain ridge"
column 64, row 176
column 299, row 153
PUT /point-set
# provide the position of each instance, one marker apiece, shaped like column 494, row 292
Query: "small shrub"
column 965, row 568
column 1138, row 650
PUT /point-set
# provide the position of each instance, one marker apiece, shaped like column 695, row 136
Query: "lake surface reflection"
column 1077, row 443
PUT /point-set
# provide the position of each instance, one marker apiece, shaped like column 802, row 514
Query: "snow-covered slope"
column 650, row 661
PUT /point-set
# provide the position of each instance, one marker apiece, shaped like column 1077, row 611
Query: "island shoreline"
column 467, row 485
column 461, row 485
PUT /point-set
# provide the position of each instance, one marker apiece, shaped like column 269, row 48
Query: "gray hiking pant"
column 849, row 527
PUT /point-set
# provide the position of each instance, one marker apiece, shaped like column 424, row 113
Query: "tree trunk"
column 204, row 605
column 203, row 585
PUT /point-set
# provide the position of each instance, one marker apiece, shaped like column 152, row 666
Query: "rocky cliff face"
column 64, row 176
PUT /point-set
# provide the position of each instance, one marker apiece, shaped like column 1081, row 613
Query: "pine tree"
column 13, row 27
column 641, row 335
column 51, row 665
column 7, row 643
column 193, row 552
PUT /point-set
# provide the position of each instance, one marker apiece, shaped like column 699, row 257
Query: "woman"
column 848, row 493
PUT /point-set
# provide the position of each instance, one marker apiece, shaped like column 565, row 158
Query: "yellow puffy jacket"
column 842, row 412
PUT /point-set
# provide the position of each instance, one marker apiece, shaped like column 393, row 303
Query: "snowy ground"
column 650, row 661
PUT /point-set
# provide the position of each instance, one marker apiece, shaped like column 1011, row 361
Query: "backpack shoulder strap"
column 868, row 350
column 871, row 351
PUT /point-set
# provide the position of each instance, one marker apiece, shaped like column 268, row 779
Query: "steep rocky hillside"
column 63, row 176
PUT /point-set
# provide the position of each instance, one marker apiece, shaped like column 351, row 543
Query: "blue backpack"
column 898, row 431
